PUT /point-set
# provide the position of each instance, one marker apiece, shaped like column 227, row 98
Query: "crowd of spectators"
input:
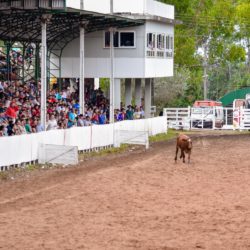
column 17, row 58
column 20, row 109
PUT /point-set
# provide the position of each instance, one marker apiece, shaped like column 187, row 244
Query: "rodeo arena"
column 82, row 165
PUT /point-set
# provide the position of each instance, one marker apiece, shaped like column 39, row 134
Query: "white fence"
column 24, row 148
column 131, row 137
column 209, row 118
column 57, row 154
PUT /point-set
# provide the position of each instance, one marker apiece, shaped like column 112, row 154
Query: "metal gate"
column 208, row 118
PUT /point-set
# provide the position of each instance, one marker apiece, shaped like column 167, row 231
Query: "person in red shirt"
column 11, row 111
column 95, row 117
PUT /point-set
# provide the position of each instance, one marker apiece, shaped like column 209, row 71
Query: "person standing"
column 129, row 113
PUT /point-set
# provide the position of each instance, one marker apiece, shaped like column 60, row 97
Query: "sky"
column 73, row 3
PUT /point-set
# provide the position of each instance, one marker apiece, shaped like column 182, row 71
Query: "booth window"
column 169, row 46
column 127, row 39
column 167, row 42
column 160, row 41
column 171, row 43
column 107, row 39
column 151, row 40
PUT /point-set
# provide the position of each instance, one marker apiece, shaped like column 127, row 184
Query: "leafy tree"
column 214, row 34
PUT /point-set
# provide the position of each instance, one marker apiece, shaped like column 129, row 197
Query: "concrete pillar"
column 44, row 74
column 153, row 91
column 96, row 83
column 138, row 92
column 128, row 92
column 148, row 96
column 117, row 93
column 81, row 78
column 112, row 76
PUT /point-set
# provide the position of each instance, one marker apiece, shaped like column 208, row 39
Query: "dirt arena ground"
column 135, row 200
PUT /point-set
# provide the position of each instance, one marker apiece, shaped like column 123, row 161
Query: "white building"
column 142, row 52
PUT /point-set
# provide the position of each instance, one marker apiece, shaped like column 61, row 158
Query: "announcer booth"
column 51, row 26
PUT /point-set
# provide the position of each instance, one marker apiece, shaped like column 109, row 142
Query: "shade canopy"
column 24, row 24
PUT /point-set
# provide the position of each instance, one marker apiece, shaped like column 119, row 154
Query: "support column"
column 111, row 85
column 128, row 92
column 23, row 69
column 153, row 91
column 37, row 63
column 117, row 93
column 8, row 62
column 148, row 96
column 82, row 5
column 44, row 73
column 81, row 78
column 96, row 83
column 138, row 92
column 59, row 81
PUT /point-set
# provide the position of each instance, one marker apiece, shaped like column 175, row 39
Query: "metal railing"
column 208, row 118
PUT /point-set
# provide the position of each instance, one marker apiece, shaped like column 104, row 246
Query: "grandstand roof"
column 24, row 25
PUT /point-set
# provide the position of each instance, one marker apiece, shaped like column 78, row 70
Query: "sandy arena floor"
column 135, row 200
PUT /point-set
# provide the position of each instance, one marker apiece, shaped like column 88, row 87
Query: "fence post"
column 202, row 118
column 189, row 117
column 166, row 119
column 226, row 116
column 214, row 113
column 241, row 120
column 176, row 118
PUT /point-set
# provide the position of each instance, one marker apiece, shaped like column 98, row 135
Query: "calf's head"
column 189, row 142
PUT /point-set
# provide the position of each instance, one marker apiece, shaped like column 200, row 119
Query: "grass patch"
column 164, row 137
column 4, row 175
column 104, row 152
column 32, row 167
column 172, row 133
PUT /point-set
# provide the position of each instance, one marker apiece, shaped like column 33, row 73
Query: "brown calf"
column 185, row 144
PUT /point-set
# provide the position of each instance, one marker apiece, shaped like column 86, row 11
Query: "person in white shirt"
column 52, row 123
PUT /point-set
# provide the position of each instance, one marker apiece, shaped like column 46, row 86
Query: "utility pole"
column 205, row 72
column 82, row 5
column 111, row 7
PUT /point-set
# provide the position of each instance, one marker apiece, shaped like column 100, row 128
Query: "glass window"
column 160, row 41
column 150, row 40
column 127, row 39
column 171, row 43
column 107, row 39
column 167, row 42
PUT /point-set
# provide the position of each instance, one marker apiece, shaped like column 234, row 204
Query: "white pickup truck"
column 204, row 117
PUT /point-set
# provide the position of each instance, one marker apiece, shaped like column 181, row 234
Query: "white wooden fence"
column 16, row 150
column 213, row 118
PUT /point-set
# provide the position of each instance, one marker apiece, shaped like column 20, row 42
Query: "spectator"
column 121, row 116
column 52, row 123
column 72, row 118
column 20, row 128
column 129, row 113
column 10, row 127
column 39, row 126
column 88, row 121
column 28, row 127
column 80, row 121
column 2, row 116
column 137, row 114
column 20, row 108
column 95, row 117
column 102, row 117
column 11, row 111
column 142, row 112
column 2, row 131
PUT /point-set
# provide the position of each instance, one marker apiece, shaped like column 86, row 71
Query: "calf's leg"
column 189, row 154
column 177, row 149
column 183, row 155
